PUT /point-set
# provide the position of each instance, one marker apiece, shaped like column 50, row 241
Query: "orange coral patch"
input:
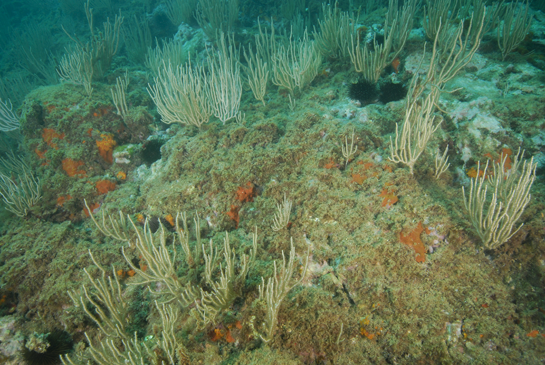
column 170, row 219
column 41, row 155
column 331, row 164
column 389, row 198
column 48, row 135
column 71, row 167
column 228, row 337
column 246, row 194
column 93, row 207
column 364, row 332
column 62, row 199
column 533, row 334
column 395, row 64
column 233, row 214
column 357, row 178
column 106, row 147
column 121, row 175
column 413, row 241
column 504, row 154
column 104, row 186
column 472, row 173
column 507, row 151
column 215, row 335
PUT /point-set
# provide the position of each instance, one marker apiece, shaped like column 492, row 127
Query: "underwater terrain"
column 272, row 182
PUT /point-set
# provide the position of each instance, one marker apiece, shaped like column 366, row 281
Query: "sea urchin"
column 363, row 91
